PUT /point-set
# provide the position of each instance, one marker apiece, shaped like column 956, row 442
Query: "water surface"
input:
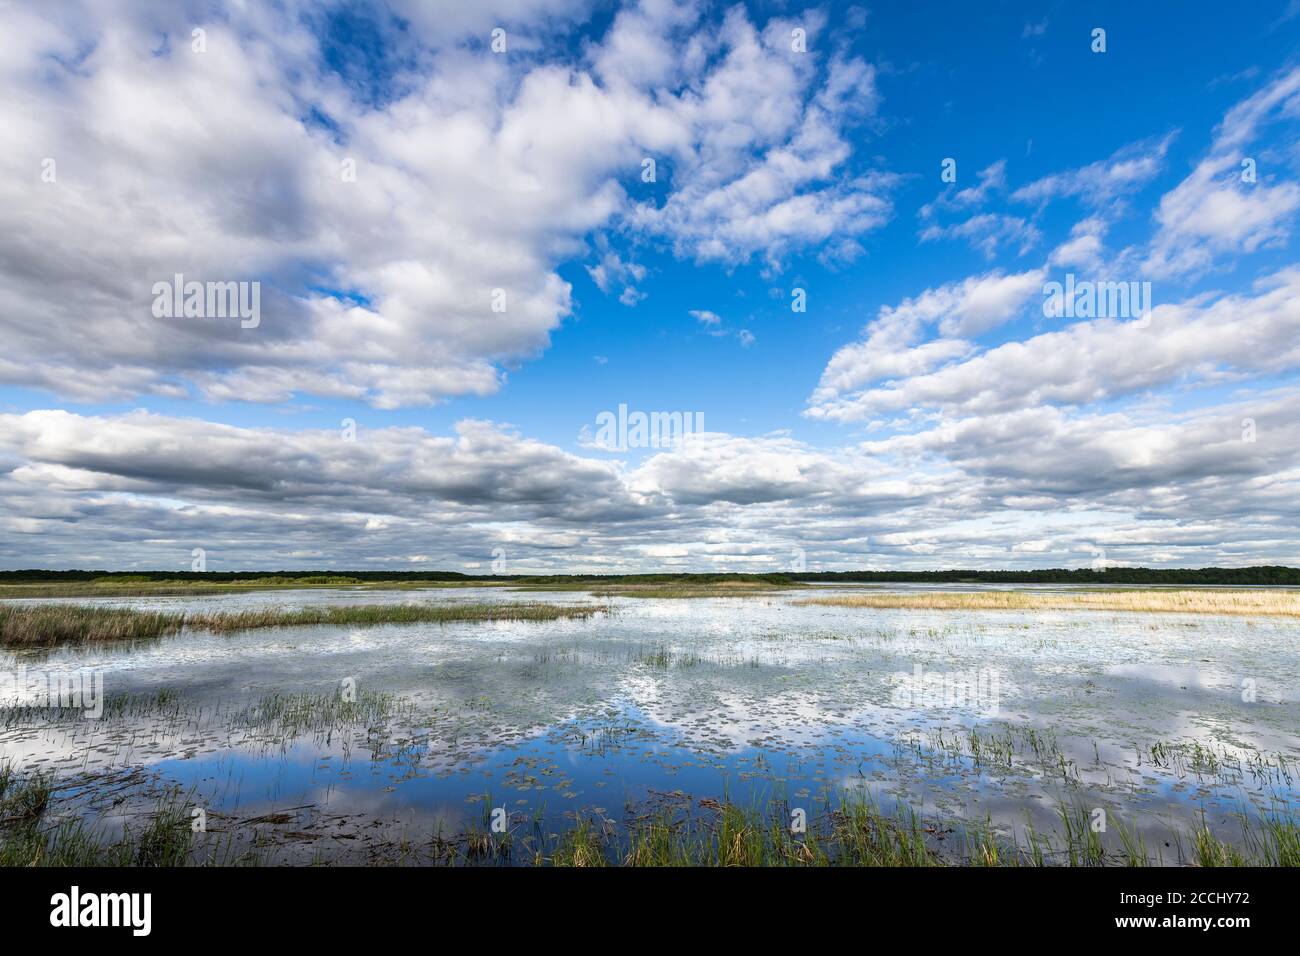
column 1162, row 720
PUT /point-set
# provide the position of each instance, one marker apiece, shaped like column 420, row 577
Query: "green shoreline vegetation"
column 48, row 625
column 79, row 583
column 858, row 833
column 35, row 584
column 718, row 834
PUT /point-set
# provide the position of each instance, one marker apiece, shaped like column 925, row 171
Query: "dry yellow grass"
column 1285, row 603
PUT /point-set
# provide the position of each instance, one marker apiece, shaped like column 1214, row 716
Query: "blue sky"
column 922, row 412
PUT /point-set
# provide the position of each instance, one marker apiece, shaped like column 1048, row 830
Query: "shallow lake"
column 997, row 720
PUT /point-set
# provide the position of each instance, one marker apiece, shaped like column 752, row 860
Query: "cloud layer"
column 406, row 225
column 1014, row 489
column 416, row 203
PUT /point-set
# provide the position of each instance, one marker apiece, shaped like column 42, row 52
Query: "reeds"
column 364, row 614
column 289, row 715
column 29, row 837
column 48, row 625
column 857, row 833
column 1285, row 603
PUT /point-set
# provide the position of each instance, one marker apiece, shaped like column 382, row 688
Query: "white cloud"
column 149, row 488
column 473, row 173
column 1102, row 183
column 988, row 233
column 992, row 180
column 1090, row 361
column 611, row 270
column 892, row 346
column 1214, row 210
column 1084, row 248
column 766, row 171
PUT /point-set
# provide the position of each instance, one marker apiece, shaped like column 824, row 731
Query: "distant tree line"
column 1262, row 575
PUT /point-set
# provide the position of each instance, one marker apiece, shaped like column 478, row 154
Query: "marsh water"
column 992, row 719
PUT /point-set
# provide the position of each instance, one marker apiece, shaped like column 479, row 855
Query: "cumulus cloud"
column 991, row 181
column 1218, row 208
column 1020, row 488
column 144, row 452
column 404, row 219
column 765, row 169
column 1210, row 340
column 1049, row 451
column 1105, row 181
column 612, row 270
column 988, row 232
column 1085, row 247
column 1141, row 438
column 409, row 216
column 917, row 359
column 892, row 347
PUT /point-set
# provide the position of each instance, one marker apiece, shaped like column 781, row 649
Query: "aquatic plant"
column 48, row 624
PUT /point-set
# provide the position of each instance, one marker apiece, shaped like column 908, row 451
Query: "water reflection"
column 749, row 699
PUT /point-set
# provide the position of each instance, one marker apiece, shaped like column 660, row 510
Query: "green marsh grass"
column 857, row 833
column 289, row 715
column 48, row 625
column 369, row 614
column 161, row 704
column 32, row 834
